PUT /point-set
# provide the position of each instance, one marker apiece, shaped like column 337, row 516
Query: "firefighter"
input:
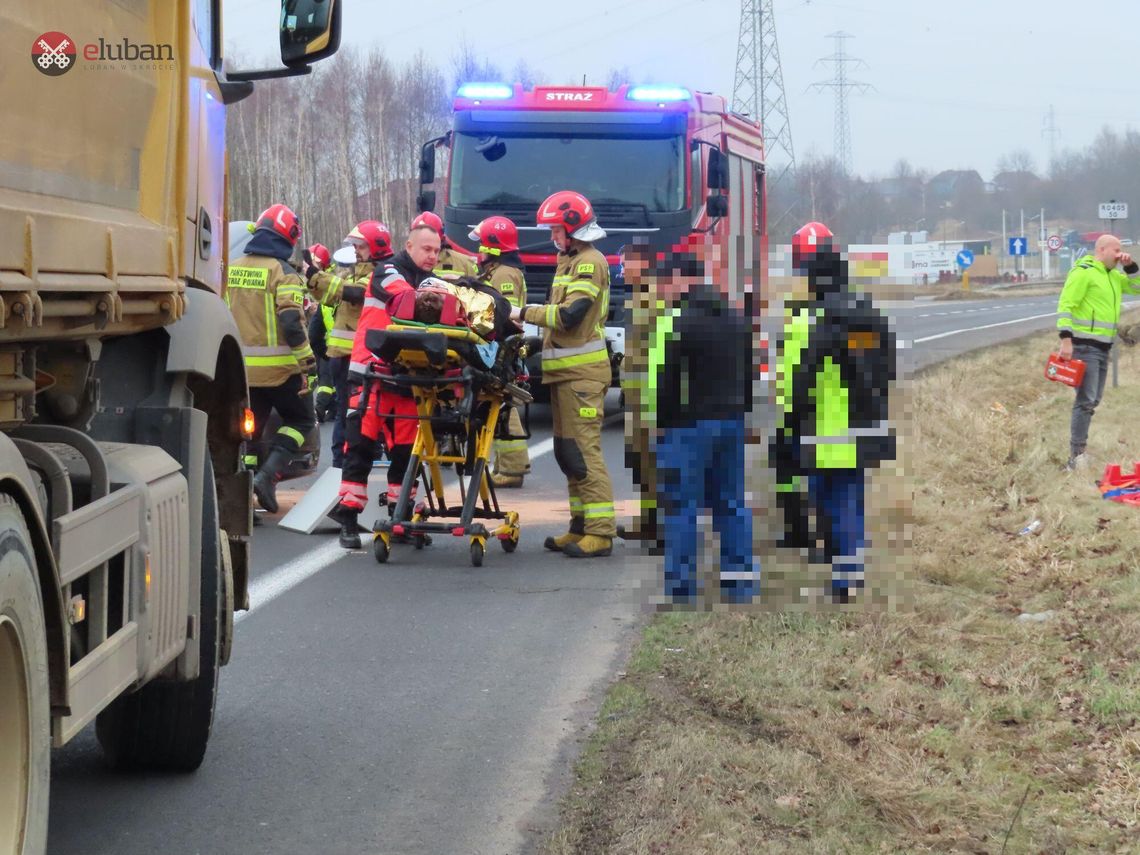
column 501, row 267
column 636, row 259
column 266, row 296
column 576, row 366
column 319, row 325
column 344, row 295
column 836, row 364
column 452, row 263
column 386, row 414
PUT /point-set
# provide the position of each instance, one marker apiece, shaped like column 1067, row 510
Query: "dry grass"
column 954, row 728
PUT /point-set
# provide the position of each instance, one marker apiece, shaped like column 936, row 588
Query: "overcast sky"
column 956, row 84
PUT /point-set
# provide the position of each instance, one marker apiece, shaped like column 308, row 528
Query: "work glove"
column 517, row 312
column 308, row 366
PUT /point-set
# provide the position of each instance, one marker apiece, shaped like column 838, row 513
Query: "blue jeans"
column 702, row 466
column 838, row 497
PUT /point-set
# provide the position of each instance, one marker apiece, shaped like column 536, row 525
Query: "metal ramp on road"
column 310, row 514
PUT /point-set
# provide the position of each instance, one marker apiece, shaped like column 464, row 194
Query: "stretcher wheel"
column 418, row 541
column 380, row 550
column 477, row 553
column 511, row 543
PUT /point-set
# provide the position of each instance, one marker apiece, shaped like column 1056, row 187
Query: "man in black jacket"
column 699, row 373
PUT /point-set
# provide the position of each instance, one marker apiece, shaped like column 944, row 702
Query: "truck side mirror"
column 425, row 201
column 718, row 170
column 717, row 205
column 310, row 30
column 427, row 163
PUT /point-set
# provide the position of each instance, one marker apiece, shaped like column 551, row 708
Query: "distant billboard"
column 933, row 261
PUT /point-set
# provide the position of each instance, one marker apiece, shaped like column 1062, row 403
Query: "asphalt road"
column 423, row 706
column 937, row 330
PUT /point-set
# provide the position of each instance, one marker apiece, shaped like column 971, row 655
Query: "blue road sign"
column 965, row 258
column 1018, row 245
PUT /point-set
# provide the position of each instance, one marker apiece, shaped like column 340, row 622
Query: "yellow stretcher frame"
column 431, row 396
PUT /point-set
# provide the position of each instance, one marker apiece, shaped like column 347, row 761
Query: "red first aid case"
column 1067, row 371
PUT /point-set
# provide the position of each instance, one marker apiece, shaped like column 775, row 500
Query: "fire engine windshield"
column 490, row 170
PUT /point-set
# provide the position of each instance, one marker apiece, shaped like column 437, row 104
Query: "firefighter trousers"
column 295, row 410
column 577, row 408
column 511, row 455
column 366, row 433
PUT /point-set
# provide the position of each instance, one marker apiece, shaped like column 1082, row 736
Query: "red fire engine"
column 656, row 161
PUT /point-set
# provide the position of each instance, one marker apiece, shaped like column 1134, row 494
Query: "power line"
column 840, row 85
column 759, row 87
column 1050, row 130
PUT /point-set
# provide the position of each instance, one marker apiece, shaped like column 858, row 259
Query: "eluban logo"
column 53, row 53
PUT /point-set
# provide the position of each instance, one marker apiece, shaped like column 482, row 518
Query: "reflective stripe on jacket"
column 1089, row 305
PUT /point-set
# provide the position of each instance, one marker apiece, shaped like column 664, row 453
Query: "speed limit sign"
column 1054, row 243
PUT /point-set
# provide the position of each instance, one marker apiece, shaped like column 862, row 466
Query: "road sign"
column 1054, row 243
column 1113, row 210
column 1018, row 245
column 965, row 258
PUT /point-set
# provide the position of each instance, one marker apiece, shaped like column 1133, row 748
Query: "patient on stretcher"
column 466, row 302
column 453, row 309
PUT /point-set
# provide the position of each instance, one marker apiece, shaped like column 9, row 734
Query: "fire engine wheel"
column 25, row 712
column 166, row 725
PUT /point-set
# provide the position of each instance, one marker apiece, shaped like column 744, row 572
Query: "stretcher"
column 463, row 386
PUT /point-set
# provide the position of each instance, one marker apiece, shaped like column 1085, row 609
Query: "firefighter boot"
column 590, row 546
column 265, row 482
column 500, row 479
column 576, row 533
column 349, row 526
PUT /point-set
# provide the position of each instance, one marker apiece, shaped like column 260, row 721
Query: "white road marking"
column 982, row 327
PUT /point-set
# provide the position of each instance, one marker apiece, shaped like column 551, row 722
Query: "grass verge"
column 957, row 727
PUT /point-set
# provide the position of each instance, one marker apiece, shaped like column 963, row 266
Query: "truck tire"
column 25, row 705
column 166, row 725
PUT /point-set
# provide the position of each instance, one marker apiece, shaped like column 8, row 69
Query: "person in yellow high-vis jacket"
column 320, row 322
column 502, row 268
column 645, row 305
column 1088, row 312
column 344, row 294
column 576, row 366
column 266, row 297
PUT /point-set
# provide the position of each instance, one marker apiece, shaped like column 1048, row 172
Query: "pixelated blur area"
column 765, row 428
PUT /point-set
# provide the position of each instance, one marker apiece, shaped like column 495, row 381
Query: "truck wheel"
column 166, row 725
column 25, row 711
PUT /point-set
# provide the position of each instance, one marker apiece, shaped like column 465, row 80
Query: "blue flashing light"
column 485, row 91
column 658, row 93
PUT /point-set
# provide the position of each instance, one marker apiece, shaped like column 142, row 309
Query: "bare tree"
column 1018, row 160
